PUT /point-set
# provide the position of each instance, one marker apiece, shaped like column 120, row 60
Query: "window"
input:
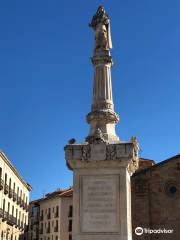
column 14, row 194
column 12, row 210
column 5, row 179
column 4, row 205
column 49, row 213
column 16, row 214
column 70, row 211
column 9, row 183
column 57, row 211
column 18, row 193
column 19, row 217
column 21, row 197
column 41, row 217
column 1, row 181
column 5, row 184
column 8, row 207
column 70, row 225
column 70, row 237
column 56, row 227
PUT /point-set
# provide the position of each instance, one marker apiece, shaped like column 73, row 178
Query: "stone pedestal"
column 102, row 192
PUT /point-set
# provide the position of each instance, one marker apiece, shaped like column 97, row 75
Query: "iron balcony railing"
column 1, row 213
column 6, row 187
column 18, row 200
column 10, row 193
column 11, row 220
column 14, row 196
column 1, row 184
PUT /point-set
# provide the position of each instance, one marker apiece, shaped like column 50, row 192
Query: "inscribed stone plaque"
column 99, row 207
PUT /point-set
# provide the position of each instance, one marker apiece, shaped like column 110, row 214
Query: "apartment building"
column 14, row 200
column 50, row 218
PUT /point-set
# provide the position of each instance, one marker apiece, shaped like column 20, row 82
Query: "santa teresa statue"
column 101, row 26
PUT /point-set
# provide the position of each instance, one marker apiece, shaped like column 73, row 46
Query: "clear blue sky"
column 46, row 80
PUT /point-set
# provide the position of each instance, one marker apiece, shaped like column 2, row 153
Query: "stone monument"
column 102, row 165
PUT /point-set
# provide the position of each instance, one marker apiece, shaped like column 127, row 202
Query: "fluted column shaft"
column 102, row 115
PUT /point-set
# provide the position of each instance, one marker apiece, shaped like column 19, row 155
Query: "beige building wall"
column 49, row 219
column 55, row 217
column 14, row 200
column 66, row 218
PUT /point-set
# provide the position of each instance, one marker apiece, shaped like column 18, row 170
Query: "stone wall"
column 156, row 199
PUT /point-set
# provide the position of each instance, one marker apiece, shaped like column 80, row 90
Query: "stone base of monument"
column 101, row 196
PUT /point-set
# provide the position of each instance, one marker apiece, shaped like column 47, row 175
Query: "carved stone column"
column 102, row 115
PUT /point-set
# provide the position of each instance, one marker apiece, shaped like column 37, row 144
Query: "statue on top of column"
column 101, row 26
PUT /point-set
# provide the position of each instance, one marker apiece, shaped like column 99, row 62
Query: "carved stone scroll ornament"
column 86, row 152
column 111, row 153
column 101, row 26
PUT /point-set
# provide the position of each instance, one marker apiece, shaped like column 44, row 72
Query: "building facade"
column 50, row 218
column 14, row 200
column 156, row 199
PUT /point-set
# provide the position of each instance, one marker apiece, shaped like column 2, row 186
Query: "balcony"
column 56, row 229
column 10, row 193
column 1, row 212
column 21, row 202
column 14, row 196
column 26, row 207
column 11, row 220
column 5, row 216
column 6, row 188
column 1, row 184
column 18, row 200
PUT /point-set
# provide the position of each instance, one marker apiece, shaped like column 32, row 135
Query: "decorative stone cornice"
column 105, row 116
column 122, row 154
column 102, row 59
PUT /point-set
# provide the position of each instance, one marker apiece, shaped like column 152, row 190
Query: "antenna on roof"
column 43, row 193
